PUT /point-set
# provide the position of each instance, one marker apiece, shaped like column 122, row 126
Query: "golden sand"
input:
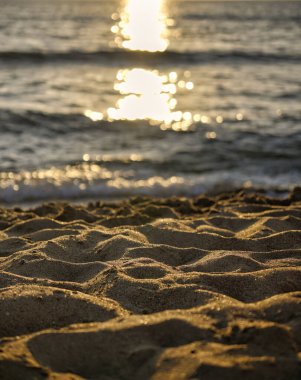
column 170, row 289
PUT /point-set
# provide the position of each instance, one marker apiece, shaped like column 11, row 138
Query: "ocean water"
column 107, row 98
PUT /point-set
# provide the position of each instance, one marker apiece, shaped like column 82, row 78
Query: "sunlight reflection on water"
column 149, row 95
column 142, row 25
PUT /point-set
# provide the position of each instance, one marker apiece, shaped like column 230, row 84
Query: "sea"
column 109, row 99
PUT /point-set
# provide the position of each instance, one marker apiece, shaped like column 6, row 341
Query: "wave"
column 172, row 56
column 16, row 122
column 241, row 19
column 268, row 157
column 90, row 181
column 42, row 122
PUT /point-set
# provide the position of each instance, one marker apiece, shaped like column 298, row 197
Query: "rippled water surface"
column 114, row 98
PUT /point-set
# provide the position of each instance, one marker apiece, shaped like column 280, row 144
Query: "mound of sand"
column 207, row 288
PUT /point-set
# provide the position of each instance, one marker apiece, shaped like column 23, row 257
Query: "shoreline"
column 276, row 193
column 148, row 288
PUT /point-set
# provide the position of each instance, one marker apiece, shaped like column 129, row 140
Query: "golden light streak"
column 142, row 26
column 149, row 95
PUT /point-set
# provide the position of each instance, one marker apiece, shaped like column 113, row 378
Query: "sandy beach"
column 203, row 288
column 150, row 190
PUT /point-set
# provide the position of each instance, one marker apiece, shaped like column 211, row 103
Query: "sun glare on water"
column 148, row 95
column 142, row 26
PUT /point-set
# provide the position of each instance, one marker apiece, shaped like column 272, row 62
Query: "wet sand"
column 204, row 288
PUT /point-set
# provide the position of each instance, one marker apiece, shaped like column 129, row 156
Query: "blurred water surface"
column 115, row 98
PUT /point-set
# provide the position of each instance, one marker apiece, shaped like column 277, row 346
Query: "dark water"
column 112, row 98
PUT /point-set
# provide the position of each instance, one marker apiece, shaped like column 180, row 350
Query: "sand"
column 204, row 288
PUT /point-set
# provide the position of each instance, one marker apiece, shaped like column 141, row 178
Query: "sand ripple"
column 208, row 288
